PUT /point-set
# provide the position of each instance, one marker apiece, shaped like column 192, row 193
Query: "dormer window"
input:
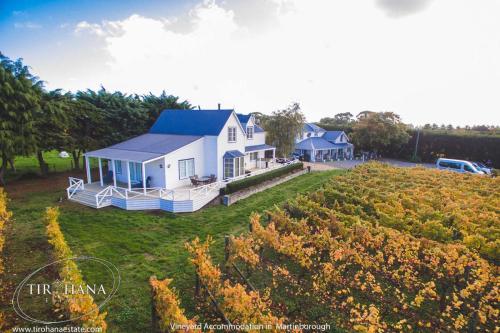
column 231, row 134
column 250, row 132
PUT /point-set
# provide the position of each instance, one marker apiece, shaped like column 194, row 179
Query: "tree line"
column 384, row 133
column 34, row 120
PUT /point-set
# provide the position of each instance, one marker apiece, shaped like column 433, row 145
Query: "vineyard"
column 4, row 217
column 378, row 249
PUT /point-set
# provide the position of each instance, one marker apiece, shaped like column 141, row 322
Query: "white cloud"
column 27, row 25
column 92, row 28
column 398, row 8
column 331, row 56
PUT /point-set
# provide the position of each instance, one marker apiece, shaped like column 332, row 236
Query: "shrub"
column 80, row 307
column 255, row 180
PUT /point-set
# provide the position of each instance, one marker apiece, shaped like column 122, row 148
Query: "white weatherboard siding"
column 210, row 156
column 223, row 145
column 156, row 173
column 258, row 139
column 193, row 150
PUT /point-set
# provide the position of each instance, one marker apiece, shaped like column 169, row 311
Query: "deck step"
column 87, row 198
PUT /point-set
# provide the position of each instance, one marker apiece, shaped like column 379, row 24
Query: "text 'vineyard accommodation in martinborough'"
column 316, row 144
column 179, row 165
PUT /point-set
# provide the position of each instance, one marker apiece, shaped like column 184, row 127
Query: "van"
column 457, row 166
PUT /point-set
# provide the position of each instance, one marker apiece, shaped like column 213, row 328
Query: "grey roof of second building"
column 144, row 147
column 310, row 127
column 331, row 135
column 318, row 143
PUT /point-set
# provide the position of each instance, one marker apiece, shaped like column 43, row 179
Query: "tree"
column 283, row 127
column 19, row 101
column 85, row 128
column 51, row 124
column 344, row 118
column 379, row 132
column 154, row 105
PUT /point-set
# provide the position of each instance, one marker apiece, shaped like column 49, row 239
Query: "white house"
column 316, row 144
column 156, row 169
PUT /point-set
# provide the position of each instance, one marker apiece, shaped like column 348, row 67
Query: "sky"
column 429, row 61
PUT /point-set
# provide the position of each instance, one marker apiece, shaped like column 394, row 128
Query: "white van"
column 457, row 166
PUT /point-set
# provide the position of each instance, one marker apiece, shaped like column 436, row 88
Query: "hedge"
column 469, row 147
column 255, row 180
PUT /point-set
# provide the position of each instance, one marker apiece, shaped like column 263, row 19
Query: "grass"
column 140, row 243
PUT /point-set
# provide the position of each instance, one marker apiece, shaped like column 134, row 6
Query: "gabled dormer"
column 336, row 137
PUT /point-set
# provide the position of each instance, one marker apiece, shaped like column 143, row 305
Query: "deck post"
column 100, row 171
column 143, row 177
column 128, row 176
column 165, row 169
column 87, row 165
column 114, row 172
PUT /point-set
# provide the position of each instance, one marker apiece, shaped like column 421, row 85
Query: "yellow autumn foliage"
column 4, row 218
column 167, row 306
column 78, row 307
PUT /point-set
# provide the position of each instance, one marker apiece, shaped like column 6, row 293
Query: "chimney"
column 218, row 106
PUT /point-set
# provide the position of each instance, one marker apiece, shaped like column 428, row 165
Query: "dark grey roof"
column 258, row 147
column 144, row 147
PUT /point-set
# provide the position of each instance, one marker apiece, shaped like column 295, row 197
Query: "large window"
column 234, row 167
column 253, row 156
column 250, row 132
column 118, row 167
column 135, row 171
column 231, row 134
column 186, row 168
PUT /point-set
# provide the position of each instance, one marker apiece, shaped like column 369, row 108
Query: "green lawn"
column 141, row 244
column 27, row 166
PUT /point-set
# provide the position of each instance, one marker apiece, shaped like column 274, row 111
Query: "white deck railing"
column 179, row 194
column 75, row 184
column 105, row 193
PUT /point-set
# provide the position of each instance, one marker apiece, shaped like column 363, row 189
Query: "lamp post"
column 416, row 144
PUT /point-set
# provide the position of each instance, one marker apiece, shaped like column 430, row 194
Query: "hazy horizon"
column 429, row 61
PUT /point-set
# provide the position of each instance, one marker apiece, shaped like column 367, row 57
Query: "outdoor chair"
column 213, row 178
column 108, row 178
column 194, row 180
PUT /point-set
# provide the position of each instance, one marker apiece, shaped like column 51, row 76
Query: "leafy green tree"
column 380, row 132
column 19, row 101
column 86, row 128
column 344, row 118
column 51, row 125
column 283, row 127
column 154, row 105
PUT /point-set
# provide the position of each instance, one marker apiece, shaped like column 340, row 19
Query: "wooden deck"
column 186, row 199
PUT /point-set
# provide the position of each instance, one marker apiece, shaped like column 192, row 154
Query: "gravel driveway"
column 349, row 164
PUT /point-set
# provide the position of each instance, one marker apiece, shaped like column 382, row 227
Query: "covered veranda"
column 260, row 156
column 124, row 169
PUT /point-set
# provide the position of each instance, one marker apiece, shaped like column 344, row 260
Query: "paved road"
column 349, row 164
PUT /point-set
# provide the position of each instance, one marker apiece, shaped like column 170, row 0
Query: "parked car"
column 482, row 167
column 458, row 166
